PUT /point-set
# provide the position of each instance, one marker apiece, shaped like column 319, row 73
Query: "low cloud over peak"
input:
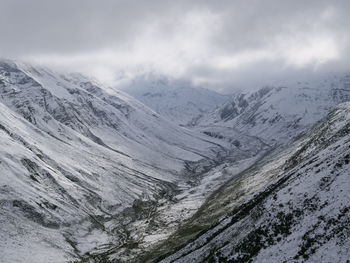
column 223, row 45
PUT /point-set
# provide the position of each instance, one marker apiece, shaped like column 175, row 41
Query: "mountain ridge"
column 176, row 99
column 90, row 174
column 297, row 216
column 74, row 153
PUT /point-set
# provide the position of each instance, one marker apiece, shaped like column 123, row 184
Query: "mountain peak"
column 175, row 99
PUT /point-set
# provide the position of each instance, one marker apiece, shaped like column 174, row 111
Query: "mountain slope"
column 278, row 114
column 74, row 157
column 91, row 174
column 292, row 207
column 177, row 100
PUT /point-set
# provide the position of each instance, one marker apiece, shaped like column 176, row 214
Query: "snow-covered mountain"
column 277, row 114
column 176, row 99
column 75, row 155
column 293, row 206
column 90, row 174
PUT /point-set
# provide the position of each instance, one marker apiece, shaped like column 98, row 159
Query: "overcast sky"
column 220, row 44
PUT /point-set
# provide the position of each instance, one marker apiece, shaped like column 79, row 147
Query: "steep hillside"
column 90, row 174
column 293, row 206
column 277, row 114
column 177, row 100
column 75, row 156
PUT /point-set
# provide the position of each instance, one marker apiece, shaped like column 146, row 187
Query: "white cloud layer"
column 222, row 44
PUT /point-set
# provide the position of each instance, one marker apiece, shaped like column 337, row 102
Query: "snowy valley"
column 173, row 174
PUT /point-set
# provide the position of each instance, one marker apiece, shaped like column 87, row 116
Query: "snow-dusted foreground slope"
column 177, row 100
column 292, row 207
column 74, row 158
column 277, row 114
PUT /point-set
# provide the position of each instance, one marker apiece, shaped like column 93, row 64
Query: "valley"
column 91, row 174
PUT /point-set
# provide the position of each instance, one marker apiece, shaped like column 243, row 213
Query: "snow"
column 74, row 153
column 313, row 200
column 176, row 99
column 87, row 169
column 279, row 114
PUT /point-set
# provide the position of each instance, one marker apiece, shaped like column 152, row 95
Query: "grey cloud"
column 69, row 27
